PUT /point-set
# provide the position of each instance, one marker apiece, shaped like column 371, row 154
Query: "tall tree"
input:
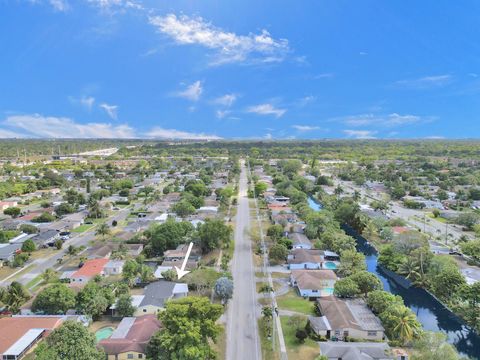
column 54, row 299
column 189, row 327
column 70, row 341
column 213, row 234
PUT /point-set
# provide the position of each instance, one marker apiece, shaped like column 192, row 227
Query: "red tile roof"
column 91, row 268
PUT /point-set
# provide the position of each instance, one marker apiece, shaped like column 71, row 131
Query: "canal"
column 430, row 312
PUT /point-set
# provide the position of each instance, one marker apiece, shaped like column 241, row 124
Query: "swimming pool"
column 329, row 265
column 104, row 333
column 327, row 291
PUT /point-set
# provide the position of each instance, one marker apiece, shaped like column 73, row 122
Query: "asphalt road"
column 40, row 265
column 242, row 328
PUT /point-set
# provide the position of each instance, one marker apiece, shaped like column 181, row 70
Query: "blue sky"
column 240, row 69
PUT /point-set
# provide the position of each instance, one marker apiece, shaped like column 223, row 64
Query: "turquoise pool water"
column 104, row 333
column 329, row 265
column 328, row 291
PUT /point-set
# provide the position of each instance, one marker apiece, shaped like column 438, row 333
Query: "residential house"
column 8, row 251
column 46, row 238
column 176, row 257
column 157, row 293
column 346, row 318
column 130, row 338
column 89, row 270
column 19, row 334
column 300, row 241
column 160, row 270
column 305, row 259
column 356, row 351
column 113, row 267
column 313, row 283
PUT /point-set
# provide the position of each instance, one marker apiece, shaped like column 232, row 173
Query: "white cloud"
column 87, row 101
column 220, row 114
column 59, row 5
column 266, row 109
column 361, row 134
column 110, row 6
column 192, row 92
column 425, row 82
column 306, row 100
column 434, row 137
column 36, row 125
column 268, row 136
column 228, row 47
column 7, row 134
column 226, row 100
column 386, row 120
column 161, row 133
column 305, row 128
column 111, row 110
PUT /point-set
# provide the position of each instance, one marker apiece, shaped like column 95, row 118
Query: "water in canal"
column 430, row 313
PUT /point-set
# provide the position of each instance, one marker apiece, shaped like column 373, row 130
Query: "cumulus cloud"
column 226, row 100
column 59, row 5
column 360, row 134
column 161, row 133
column 305, row 128
column 425, row 82
column 266, row 109
column 111, row 110
column 192, row 92
column 36, row 125
column 227, row 47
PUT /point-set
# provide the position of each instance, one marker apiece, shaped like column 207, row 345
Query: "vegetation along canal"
column 430, row 312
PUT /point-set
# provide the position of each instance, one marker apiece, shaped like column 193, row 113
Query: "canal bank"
column 431, row 313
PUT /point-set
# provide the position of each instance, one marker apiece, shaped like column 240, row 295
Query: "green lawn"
column 306, row 351
column 291, row 301
column 82, row 228
column 266, row 343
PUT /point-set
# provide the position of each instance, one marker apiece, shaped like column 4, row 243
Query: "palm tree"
column 15, row 296
column 370, row 229
column 411, row 269
column 103, row 230
column 407, row 325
